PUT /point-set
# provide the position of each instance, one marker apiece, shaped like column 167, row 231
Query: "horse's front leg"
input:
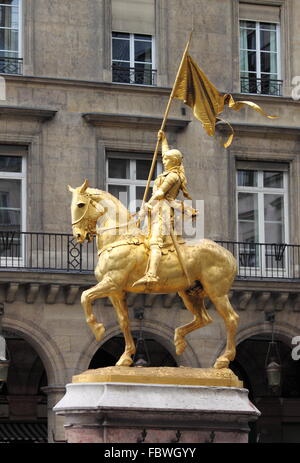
column 120, row 305
column 102, row 289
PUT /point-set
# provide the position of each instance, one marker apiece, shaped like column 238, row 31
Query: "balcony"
column 265, row 260
column 11, row 65
column 263, row 86
column 133, row 76
column 60, row 253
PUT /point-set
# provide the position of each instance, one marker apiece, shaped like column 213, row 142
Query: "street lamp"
column 141, row 357
column 272, row 364
column 4, row 362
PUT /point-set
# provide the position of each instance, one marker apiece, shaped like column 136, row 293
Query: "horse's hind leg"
column 195, row 304
column 120, row 305
column 230, row 317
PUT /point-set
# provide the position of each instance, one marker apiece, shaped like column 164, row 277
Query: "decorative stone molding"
column 131, row 120
column 11, row 292
column 18, row 111
column 32, row 292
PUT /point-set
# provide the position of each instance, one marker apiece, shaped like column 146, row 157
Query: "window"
column 132, row 59
column 127, row 179
column 262, row 218
column 10, row 37
column 12, row 205
column 260, row 58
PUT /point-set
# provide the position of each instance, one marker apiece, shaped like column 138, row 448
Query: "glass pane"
column 273, row 207
column 143, row 51
column 10, row 164
column 268, row 26
column 8, row 39
column 9, row 16
column 268, row 62
column 247, row 207
column 122, row 35
column 121, row 72
column 268, row 41
column 248, row 232
column 247, row 178
column 248, row 39
column 118, row 168
column 274, row 233
column 143, row 74
column 142, row 169
column 248, row 60
column 121, row 192
column 248, row 24
column 120, row 50
column 10, row 205
column 142, row 37
column 273, row 179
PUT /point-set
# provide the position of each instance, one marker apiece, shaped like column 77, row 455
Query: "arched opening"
column 109, row 353
column 23, row 403
column 279, row 407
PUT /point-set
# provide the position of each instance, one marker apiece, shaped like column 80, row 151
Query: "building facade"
column 83, row 89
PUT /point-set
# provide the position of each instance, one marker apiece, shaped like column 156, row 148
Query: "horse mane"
column 123, row 214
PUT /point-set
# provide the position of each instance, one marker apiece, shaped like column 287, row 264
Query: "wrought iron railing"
column 127, row 75
column 265, row 260
column 263, row 86
column 45, row 252
column 11, row 65
column 58, row 252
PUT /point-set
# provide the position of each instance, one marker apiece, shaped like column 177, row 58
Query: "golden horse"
column 123, row 257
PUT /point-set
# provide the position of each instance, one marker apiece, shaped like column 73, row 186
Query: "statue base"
column 156, row 405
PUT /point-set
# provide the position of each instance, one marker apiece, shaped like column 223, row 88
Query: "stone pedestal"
column 109, row 410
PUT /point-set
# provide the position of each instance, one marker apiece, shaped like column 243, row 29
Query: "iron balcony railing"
column 263, row 86
column 11, row 65
column 265, row 260
column 137, row 76
column 58, row 252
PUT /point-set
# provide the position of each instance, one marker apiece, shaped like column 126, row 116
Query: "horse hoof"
column 99, row 331
column 221, row 363
column 125, row 362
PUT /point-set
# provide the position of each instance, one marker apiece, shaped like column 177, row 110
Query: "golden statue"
column 161, row 208
column 132, row 260
column 123, row 251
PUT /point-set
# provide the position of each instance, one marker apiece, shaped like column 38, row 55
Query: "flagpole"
column 164, row 121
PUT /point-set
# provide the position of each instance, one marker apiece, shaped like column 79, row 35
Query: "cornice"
column 129, row 120
column 244, row 127
column 30, row 113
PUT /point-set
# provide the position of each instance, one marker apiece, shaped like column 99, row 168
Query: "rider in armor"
column 161, row 206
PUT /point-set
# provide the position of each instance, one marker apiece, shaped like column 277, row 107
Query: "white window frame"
column 130, row 182
column 258, row 50
column 20, row 28
column 22, row 176
column 132, row 61
column 260, row 190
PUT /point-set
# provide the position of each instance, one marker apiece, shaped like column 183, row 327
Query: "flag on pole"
column 193, row 87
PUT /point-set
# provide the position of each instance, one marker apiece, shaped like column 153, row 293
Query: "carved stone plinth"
column 130, row 405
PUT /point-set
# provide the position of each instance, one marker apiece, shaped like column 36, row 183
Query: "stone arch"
column 161, row 332
column 45, row 347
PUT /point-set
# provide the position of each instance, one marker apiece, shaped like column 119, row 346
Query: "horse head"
column 85, row 211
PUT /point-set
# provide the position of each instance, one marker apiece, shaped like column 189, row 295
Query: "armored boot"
column 151, row 275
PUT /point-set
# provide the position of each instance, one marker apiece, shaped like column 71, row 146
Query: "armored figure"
column 161, row 206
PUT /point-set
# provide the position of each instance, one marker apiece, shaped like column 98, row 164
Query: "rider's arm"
column 164, row 142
